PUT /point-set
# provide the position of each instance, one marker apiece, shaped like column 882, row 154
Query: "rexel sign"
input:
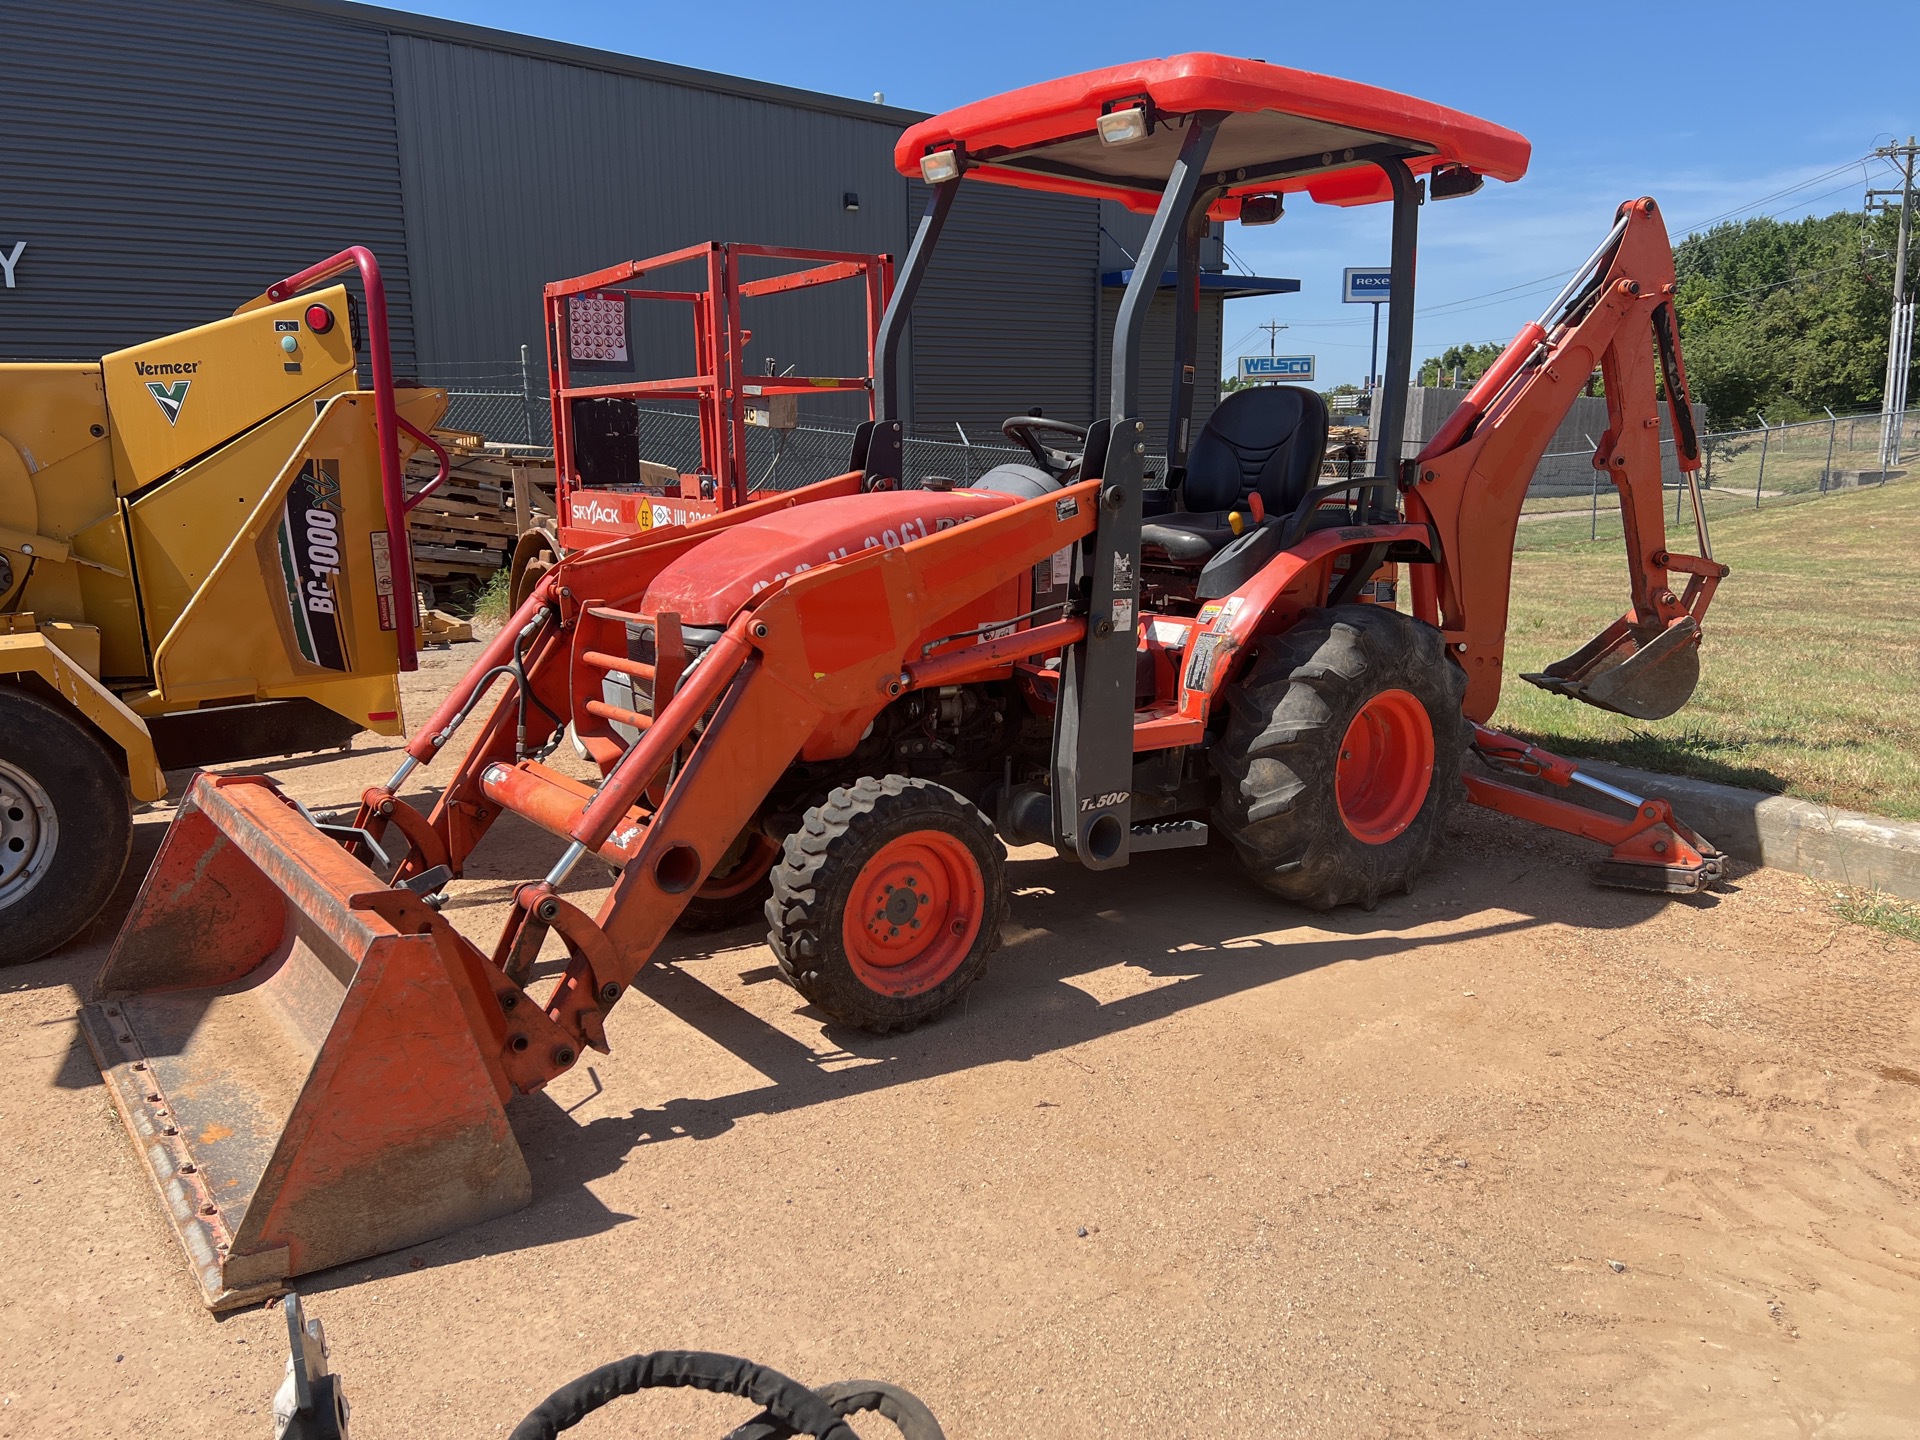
column 1366, row 285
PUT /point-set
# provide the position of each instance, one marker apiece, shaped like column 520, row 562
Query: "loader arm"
column 546, row 641
column 374, row 1117
column 1470, row 481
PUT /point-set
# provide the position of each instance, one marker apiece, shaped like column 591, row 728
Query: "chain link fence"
column 1815, row 457
column 502, row 416
column 776, row 459
column 1766, row 465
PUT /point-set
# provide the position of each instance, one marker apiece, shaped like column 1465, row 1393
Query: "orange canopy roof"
column 1311, row 133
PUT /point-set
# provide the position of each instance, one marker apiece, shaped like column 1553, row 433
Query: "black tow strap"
column 788, row 1407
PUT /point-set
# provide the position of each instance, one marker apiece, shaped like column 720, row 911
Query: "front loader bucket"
column 301, row 1077
column 1639, row 670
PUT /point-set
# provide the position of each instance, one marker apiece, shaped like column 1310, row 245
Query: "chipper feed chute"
column 299, row 1069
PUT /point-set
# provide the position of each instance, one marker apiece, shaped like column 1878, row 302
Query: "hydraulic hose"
column 907, row 1411
column 785, row 1401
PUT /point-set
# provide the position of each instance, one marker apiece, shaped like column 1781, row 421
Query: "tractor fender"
column 32, row 653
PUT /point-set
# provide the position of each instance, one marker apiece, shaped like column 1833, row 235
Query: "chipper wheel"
column 887, row 902
column 65, row 830
column 1342, row 754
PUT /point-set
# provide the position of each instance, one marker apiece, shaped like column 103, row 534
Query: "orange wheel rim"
column 755, row 862
column 914, row 913
column 1386, row 766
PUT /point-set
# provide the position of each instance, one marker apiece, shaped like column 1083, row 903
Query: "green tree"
column 1781, row 318
column 1471, row 360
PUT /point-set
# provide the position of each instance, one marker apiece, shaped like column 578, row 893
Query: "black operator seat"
column 1269, row 439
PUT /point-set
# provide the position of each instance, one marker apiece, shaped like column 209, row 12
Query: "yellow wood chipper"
column 202, row 557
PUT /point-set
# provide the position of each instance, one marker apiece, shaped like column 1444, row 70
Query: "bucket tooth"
column 1644, row 671
column 306, row 1082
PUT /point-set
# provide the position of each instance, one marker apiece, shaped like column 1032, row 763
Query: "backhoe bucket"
column 1638, row 670
column 300, row 1074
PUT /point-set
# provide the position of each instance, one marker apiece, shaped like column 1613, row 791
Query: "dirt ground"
column 1512, row 1155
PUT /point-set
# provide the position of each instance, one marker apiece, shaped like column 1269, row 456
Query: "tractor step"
column 1169, row 835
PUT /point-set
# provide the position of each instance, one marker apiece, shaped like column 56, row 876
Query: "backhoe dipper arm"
column 1469, row 483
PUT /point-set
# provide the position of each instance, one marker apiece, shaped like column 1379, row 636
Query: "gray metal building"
column 164, row 163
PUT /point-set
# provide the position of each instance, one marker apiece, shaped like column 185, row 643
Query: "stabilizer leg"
column 1651, row 850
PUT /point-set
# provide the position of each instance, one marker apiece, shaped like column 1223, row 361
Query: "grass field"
column 1810, row 669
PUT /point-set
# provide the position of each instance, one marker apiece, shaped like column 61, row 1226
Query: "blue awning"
column 1227, row 287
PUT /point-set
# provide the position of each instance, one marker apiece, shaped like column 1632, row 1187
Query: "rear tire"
column 887, row 902
column 65, row 826
column 1342, row 755
column 738, row 889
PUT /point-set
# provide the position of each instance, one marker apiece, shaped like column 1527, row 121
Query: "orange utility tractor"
column 847, row 697
column 606, row 486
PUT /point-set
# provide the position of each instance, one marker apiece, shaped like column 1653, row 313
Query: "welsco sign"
column 1276, row 367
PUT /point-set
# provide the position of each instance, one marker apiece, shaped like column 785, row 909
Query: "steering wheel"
column 1026, row 430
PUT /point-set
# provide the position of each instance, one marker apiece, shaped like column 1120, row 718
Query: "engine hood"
column 709, row 584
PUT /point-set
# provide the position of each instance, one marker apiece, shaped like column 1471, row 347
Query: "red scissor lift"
column 722, row 387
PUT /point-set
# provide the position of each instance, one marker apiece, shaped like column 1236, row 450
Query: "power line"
column 1691, row 227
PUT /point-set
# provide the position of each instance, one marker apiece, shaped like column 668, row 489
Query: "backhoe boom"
column 1470, row 481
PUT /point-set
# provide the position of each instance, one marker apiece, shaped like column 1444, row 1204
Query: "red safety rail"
column 720, row 383
column 388, row 424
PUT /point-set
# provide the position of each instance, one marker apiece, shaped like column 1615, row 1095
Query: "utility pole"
column 1373, row 361
column 1893, row 396
column 1273, row 329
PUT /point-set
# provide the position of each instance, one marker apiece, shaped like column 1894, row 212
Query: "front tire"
column 65, row 827
column 1342, row 755
column 887, row 902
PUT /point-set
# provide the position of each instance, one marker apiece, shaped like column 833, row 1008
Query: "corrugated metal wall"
column 1008, row 315
column 520, row 170
column 1122, row 236
column 1156, row 362
column 166, row 162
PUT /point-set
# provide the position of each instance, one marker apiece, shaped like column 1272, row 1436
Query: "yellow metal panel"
column 182, row 526
column 53, row 441
column 107, row 598
column 32, row 653
column 56, row 479
column 370, row 700
column 176, row 398
column 295, row 599
column 79, row 643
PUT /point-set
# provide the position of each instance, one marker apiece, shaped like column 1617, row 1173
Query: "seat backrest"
column 1269, row 438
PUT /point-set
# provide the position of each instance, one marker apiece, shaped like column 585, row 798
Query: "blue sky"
column 1710, row 108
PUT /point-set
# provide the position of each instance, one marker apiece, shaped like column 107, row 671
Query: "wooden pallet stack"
column 464, row 531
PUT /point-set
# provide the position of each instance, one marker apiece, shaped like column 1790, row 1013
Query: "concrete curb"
column 1821, row 841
